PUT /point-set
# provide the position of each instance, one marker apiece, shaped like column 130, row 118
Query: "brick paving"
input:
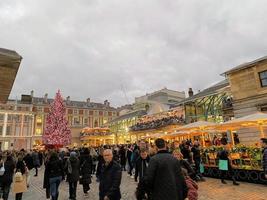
column 212, row 189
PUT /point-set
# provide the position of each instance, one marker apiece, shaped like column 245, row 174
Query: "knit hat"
column 73, row 154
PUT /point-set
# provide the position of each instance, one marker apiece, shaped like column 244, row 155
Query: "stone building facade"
column 249, row 89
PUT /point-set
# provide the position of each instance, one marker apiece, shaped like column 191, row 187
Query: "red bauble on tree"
column 57, row 132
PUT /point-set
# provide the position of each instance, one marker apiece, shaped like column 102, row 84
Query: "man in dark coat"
column 141, row 165
column 122, row 154
column 86, row 164
column 110, row 178
column 164, row 178
column 264, row 153
column 29, row 161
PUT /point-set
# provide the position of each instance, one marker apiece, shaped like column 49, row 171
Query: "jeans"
column 54, row 184
column 72, row 189
column 4, row 191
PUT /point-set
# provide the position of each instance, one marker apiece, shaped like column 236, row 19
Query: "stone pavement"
column 212, row 189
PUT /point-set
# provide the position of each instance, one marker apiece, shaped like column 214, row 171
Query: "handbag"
column 18, row 177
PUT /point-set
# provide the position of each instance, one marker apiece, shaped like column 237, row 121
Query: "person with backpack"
column 86, row 170
column 73, row 174
column 6, row 174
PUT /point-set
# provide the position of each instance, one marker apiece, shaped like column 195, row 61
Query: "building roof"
column 214, row 89
column 9, row 65
column 76, row 104
column 137, row 113
column 245, row 65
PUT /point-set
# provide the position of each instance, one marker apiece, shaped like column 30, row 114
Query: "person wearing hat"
column 264, row 157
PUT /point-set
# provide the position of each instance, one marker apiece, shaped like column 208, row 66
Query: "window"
column 1, row 117
column 75, row 112
column 263, row 78
column 85, row 121
column 8, row 130
column 39, row 120
column 38, row 131
column 76, row 121
column 1, row 130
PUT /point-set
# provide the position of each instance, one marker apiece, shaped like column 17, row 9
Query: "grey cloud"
column 100, row 49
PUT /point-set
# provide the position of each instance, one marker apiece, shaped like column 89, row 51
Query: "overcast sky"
column 120, row 49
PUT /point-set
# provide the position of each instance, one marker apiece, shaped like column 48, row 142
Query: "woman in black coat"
column 86, row 170
column 46, row 179
column 6, row 178
column 73, row 174
column 122, row 154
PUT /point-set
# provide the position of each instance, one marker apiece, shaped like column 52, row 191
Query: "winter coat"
column 75, row 166
column 122, row 154
column 6, row 178
column 164, row 178
column 54, row 168
column 99, row 165
column 192, row 189
column 29, row 161
column 46, row 177
column 264, row 160
column 196, row 153
column 36, row 161
column 86, row 168
column 110, row 180
column 141, row 167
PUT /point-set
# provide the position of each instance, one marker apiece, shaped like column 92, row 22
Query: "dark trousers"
column 131, row 167
column 72, row 189
column 4, row 189
column 36, row 170
column 86, row 187
column 224, row 174
column 47, row 192
column 19, row 196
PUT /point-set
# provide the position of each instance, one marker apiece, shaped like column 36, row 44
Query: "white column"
column 5, row 124
column 21, row 125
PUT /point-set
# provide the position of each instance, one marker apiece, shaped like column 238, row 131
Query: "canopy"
column 198, row 125
column 257, row 117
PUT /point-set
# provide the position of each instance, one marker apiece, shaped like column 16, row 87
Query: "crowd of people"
column 163, row 170
column 158, row 123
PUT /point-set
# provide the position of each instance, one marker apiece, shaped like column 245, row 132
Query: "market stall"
column 96, row 136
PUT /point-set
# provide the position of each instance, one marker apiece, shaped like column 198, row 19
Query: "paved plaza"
column 212, row 189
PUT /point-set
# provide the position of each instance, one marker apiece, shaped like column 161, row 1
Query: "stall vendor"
column 264, row 157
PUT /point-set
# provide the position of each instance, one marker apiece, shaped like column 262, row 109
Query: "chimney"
column 106, row 103
column 88, row 100
column 68, row 99
column 190, row 92
column 32, row 92
column 45, row 98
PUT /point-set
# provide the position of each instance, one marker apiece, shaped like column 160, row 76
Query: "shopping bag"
column 201, row 166
column 223, row 165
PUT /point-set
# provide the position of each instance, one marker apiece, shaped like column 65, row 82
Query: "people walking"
column 36, row 161
column 224, row 157
column 164, row 178
column 122, row 154
column 20, row 183
column 7, row 177
column 86, row 165
column 55, row 173
column 110, row 178
column 141, row 165
column 73, row 174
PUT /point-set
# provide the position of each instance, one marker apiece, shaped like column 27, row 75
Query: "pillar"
column 5, row 125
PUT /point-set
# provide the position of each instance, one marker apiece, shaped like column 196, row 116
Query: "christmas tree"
column 57, row 132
